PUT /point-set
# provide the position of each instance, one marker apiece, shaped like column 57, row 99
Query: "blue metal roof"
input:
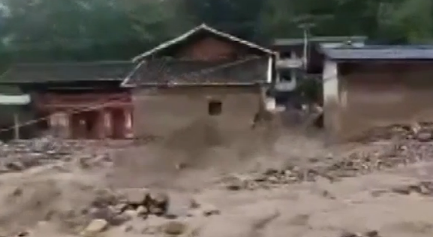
column 381, row 52
column 319, row 39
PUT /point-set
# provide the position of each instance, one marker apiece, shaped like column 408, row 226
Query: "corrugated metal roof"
column 67, row 71
column 319, row 39
column 341, row 44
column 189, row 72
column 14, row 99
column 381, row 52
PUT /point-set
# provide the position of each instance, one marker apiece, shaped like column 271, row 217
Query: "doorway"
column 118, row 125
column 84, row 125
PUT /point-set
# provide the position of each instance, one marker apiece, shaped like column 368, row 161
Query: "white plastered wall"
column 331, row 99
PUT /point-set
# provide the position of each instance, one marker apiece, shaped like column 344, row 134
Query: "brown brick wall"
column 207, row 49
column 212, row 48
column 381, row 94
column 168, row 111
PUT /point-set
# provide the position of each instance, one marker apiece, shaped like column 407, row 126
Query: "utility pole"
column 306, row 22
column 306, row 32
column 16, row 126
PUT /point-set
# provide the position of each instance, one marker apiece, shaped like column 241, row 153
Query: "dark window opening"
column 285, row 77
column 288, row 75
column 214, row 107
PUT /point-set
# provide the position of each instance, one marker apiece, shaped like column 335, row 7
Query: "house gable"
column 202, row 42
column 202, row 56
column 208, row 48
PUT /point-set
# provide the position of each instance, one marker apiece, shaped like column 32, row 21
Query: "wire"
column 194, row 73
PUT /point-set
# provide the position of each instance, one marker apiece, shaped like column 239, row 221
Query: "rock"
column 95, row 227
column 110, row 215
column 130, row 213
column 349, row 234
column 128, row 228
column 234, row 183
column 156, row 211
column 179, row 205
column 327, row 194
column 194, row 204
column 401, row 190
column 174, row 228
column 372, row 233
column 102, row 213
column 415, row 188
column 120, row 219
column 158, row 203
column 135, row 196
column 142, row 211
column 260, row 178
column 150, row 230
column 234, row 186
column 159, row 198
column 203, row 210
column 194, row 213
column 426, row 188
column 104, row 198
column 84, row 162
column 154, row 225
column 415, row 128
column 273, row 179
column 209, row 210
column 17, row 192
column 424, row 136
column 121, row 207
column 23, row 234
column 15, row 166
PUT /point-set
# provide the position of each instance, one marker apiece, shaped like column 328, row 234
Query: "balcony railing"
column 285, row 86
column 289, row 63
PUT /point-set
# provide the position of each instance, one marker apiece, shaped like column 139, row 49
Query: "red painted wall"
column 52, row 101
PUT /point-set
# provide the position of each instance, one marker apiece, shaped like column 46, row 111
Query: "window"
column 214, row 107
column 286, row 76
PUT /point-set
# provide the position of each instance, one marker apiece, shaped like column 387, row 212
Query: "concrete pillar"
column 67, row 117
column 102, row 125
column 59, row 124
column 108, row 123
column 128, row 131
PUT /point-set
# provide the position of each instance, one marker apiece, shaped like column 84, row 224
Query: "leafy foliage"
column 38, row 30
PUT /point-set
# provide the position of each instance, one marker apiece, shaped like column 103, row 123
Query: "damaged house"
column 203, row 76
column 77, row 100
column 299, row 59
column 374, row 86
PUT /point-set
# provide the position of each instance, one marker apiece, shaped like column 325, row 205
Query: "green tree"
column 116, row 29
column 83, row 30
column 407, row 20
column 238, row 17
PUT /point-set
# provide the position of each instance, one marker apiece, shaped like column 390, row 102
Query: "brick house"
column 375, row 86
column 78, row 100
column 202, row 76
